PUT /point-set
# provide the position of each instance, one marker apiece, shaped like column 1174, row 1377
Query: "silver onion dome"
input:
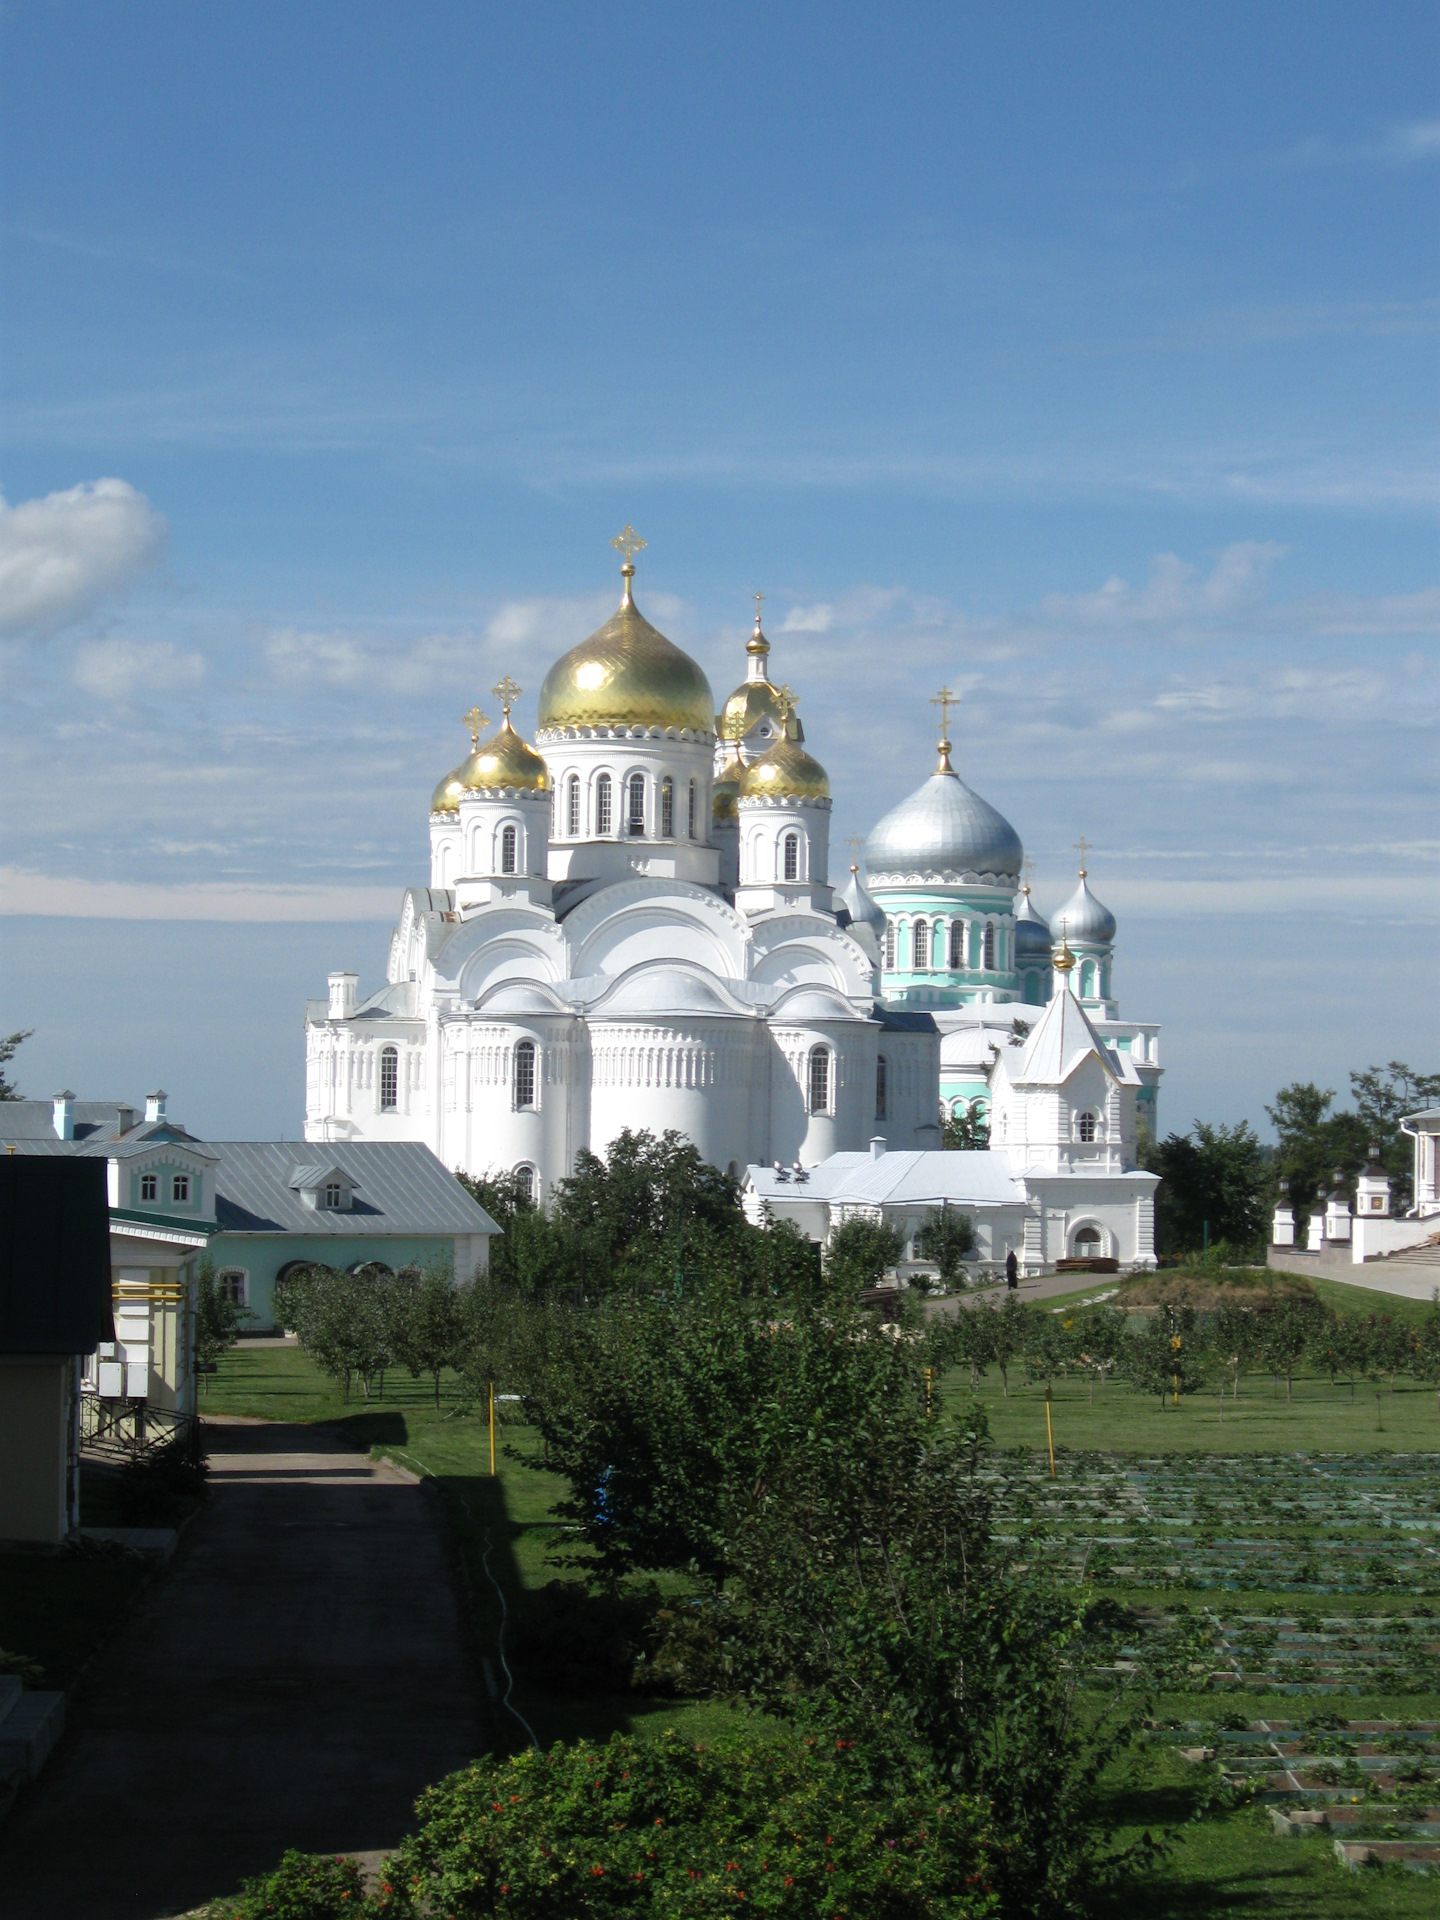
column 863, row 911
column 944, row 831
column 1085, row 920
column 1033, row 939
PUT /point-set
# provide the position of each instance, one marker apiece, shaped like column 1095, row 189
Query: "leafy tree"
column 1098, row 1340
column 1164, row 1357
column 217, row 1319
column 964, row 1132
column 650, row 1209
column 859, row 1253
column 1214, row 1177
column 972, row 1341
column 1235, row 1335
column 1049, row 1346
column 946, row 1238
column 1009, row 1337
column 1285, row 1334
column 8, row 1089
column 1390, row 1345
column 668, row 1825
column 1383, row 1096
column 1425, row 1355
column 343, row 1320
column 427, row 1324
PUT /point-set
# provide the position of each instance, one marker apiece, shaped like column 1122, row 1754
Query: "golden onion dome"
column 755, row 699
column 504, row 761
column 723, row 796
column 446, row 797
column 788, row 772
column 627, row 674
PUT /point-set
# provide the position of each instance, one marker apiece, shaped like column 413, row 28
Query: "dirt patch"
column 1208, row 1291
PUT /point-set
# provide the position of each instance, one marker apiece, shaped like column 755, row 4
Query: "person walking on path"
column 1012, row 1271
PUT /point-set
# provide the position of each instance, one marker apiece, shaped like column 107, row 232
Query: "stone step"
column 1422, row 1855
column 29, row 1730
column 10, row 1691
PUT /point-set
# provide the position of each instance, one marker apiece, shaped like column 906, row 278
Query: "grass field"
column 1190, row 1516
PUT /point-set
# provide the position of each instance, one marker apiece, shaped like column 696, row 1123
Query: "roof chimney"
column 155, row 1106
column 65, row 1115
column 877, row 1147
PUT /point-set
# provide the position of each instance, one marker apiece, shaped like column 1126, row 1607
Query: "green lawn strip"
column 57, row 1608
column 1320, row 1418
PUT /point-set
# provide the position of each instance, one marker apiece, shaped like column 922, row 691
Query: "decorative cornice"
column 786, row 801
column 555, row 736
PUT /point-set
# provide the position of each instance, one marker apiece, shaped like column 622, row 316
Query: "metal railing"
column 133, row 1430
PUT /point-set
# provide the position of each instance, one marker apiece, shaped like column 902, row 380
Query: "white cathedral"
column 632, row 924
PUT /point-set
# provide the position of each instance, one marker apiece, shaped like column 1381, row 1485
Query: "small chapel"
column 631, row 922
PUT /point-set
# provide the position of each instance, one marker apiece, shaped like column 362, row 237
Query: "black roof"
column 54, row 1254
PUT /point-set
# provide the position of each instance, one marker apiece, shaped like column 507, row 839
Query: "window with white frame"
column 988, row 960
column 819, row 1088
column 957, row 943
column 920, row 945
column 635, row 806
column 525, row 1074
column 233, row 1285
column 890, row 944
column 1086, row 1127
column 389, row 1079
column 508, row 841
column 603, row 805
column 667, row 808
column 334, row 1195
column 149, row 1186
column 525, row 1182
column 792, row 856
column 180, row 1186
column 572, row 806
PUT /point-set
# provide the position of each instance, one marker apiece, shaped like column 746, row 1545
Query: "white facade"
column 604, row 973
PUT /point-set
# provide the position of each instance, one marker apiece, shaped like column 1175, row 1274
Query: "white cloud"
column 61, row 556
column 25, row 892
column 808, row 620
column 116, row 669
column 1418, row 140
column 1175, row 592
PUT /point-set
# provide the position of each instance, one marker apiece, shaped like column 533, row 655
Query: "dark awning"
column 54, row 1255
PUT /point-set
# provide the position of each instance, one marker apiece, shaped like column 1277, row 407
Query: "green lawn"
column 1222, row 1863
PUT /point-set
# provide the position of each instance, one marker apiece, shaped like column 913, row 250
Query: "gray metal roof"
column 943, row 831
column 1084, row 919
column 402, row 1189
column 94, row 1119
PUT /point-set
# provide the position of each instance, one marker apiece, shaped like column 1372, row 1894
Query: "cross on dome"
column 1028, row 868
column 475, row 720
column 627, row 543
column 788, row 700
column 944, row 699
column 1082, row 847
column 507, row 693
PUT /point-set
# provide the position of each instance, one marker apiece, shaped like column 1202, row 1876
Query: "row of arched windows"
column 929, row 951
column 634, row 808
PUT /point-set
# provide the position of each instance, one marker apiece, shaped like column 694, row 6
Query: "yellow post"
column 492, row 1429
column 929, row 1377
column 1049, row 1433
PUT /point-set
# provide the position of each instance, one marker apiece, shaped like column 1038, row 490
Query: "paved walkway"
column 293, row 1679
column 1049, row 1286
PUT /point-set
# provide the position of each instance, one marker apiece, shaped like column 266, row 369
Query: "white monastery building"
column 632, row 924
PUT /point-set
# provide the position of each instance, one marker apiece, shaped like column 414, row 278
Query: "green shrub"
column 668, row 1826
column 305, row 1886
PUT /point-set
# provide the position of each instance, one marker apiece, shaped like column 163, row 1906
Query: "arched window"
column 920, row 946
column 692, row 810
column 525, row 1183
column 635, row 811
column 1085, row 1126
column 667, row 807
column 988, row 960
column 792, row 856
column 572, row 807
column 1089, row 1243
column 389, row 1079
column 1087, row 980
column 525, row 1074
column 507, row 849
column 957, row 943
column 602, row 804
column 819, row 1080
column 882, row 1091
column 890, row 943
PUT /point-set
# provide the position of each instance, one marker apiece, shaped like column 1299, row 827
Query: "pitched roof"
column 917, row 1178
column 94, row 1119
column 401, row 1189
column 1061, row 1041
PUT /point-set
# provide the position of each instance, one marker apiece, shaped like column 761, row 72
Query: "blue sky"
column 1085, row 357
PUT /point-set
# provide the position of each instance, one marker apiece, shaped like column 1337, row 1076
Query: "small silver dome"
column 1083, row 918
column 1032, row 932
column 943, row 832
column 863, row 911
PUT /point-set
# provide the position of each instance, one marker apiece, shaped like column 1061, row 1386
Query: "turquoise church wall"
column 263, row 1257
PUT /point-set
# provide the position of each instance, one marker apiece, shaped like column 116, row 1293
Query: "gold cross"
column 1082, row 847
column 854, row 843
column 758, row 598
column 1029, row 869
column 944, row 699
column 507, row 693
column 628, row 542
column 475, row 720
column 788, row 700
